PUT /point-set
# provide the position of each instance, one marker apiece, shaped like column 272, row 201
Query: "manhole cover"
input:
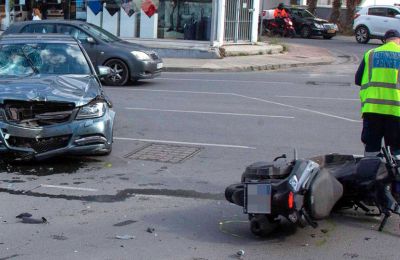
column 163, row 153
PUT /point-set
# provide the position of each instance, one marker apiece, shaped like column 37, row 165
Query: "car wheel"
column 120, row 73
column 362, row 35
column 327, row 37
column 305, row 32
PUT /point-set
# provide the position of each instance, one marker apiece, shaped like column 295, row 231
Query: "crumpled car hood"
column 317, row 20
column 78, row 89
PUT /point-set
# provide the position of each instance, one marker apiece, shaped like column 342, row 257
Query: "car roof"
column 31, row 37
column 384, row 6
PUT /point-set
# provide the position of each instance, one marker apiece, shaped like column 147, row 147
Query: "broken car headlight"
column 92, row 110
column 140, row 55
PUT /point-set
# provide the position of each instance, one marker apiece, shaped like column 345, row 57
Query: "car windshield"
column 303, row 13
column 100, row 33
column 42, row 58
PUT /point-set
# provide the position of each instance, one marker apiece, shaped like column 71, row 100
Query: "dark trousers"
column 376, row 127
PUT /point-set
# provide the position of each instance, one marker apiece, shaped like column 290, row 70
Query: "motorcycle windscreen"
column 325, row 192
column 258, row 198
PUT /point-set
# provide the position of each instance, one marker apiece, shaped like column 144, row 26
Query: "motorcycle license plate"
column 257, row 198
column 331, row 31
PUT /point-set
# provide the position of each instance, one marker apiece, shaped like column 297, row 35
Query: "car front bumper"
column 323, row 32
column 89, row 136
column 146, row 69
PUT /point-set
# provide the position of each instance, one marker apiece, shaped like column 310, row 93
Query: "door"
column 391, row 21
column 81, row 36
column 376, row 22
column 238, row 20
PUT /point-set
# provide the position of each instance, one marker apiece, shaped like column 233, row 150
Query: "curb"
column 247, row 68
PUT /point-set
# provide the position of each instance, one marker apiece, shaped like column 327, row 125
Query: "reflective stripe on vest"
column 380, row 90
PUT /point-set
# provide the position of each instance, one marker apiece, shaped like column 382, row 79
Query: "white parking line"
column 205, row 112
column 253, row 98
column 184, row 143
column 66, row 187
column 323, row 98
column 299, row 108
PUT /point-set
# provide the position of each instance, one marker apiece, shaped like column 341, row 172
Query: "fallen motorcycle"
column 306, row 190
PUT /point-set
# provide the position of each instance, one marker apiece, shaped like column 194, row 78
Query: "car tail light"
column 356, row 16
column 264, row 13
column 291, row 200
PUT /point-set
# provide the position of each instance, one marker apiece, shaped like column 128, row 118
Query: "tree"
column 335, row 15
column 312, row 4
column 351, row 8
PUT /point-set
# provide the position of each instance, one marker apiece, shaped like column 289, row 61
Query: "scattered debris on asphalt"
column 24, row 215
column 30, row 220
column 305, row 245
column 367, row 238
column 150, row 230
column 125, row 223
column 59, row 237
column 324, row 231
column 240, row 253
column 124, row 237
column 350, row 255
column 312, row 235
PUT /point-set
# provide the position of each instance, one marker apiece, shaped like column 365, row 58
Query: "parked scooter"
column 273, row 28
column 307, row 190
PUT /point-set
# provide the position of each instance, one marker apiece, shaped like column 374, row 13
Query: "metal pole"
column 237, row 21
column 261, row 19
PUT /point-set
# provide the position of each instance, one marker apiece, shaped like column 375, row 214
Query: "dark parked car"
column 51, row 99
column 129, row 61
column 305, row 23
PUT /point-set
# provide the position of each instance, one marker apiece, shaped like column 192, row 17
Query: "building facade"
column 216, row 21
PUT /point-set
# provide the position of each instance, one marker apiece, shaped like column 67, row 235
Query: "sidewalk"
column 298, row 55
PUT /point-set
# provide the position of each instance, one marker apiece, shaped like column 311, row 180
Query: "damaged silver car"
column 51, row 99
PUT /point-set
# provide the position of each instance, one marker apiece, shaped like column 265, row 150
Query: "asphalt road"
column 217, row 123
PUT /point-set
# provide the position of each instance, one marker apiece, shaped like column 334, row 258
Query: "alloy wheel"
column 119, row 73
column 362, row 35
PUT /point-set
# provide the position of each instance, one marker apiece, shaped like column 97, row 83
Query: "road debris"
column 150, row 230
column 350, row 255
column 124, row 237
column 367, row 238
column 24, row 215
column 240, row 253
column 324, row 231
column 125, row 223
column 30, row 220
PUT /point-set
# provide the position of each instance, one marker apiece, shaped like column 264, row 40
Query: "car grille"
column 40, row 145
column 154, row 56
column 34, row 113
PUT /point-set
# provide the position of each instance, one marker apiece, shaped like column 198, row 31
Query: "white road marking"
column 205, row 112
column 323, row 98
column 232, row 80
column 253, row 98
column 66, row 187
column 184, row 143
column 299, row 108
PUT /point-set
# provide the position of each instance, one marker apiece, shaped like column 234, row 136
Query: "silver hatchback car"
column 51, row 99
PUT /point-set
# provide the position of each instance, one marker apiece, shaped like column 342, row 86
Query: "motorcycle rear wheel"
column 263, row 225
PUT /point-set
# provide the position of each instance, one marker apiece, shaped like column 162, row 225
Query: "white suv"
column 372, row 22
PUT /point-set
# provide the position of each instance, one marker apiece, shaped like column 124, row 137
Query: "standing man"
column 378, row 76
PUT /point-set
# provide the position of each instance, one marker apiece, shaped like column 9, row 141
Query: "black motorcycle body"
column 306, row 190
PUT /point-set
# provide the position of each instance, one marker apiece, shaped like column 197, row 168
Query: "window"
column 43, row 58
column 38, row 28
column 377, row 11
column 392, row 12
column 73, row 31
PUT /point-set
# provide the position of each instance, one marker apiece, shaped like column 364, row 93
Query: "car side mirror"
column 103, row 71
column 397, row 16
column 90, row 40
